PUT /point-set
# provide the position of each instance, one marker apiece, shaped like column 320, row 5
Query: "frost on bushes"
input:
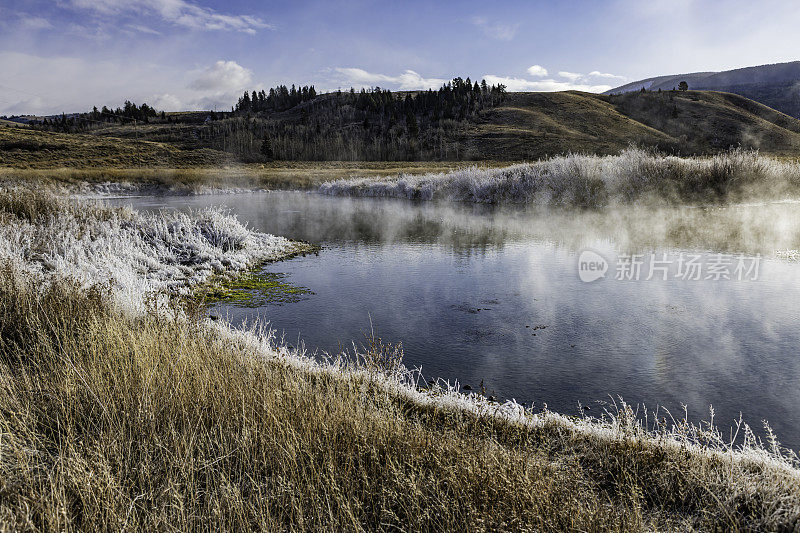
column 587, row 180
column 138, row 254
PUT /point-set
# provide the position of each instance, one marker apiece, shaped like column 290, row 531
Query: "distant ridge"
column 776, row 85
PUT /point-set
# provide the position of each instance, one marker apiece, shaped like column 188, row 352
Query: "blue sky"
column 67, row 55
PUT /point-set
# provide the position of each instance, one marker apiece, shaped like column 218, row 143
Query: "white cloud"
column 94, row 32
column 596, row 74
column 538, row 71
column 51, row 85
column 407, row 81
column 595, row 81
column 546, row 85
column 223, row 76
column 177, row 12
column 35, row 23
column 219, row 85
column 571, row 76
column 501, row 32
column 143, row 29
column 168, row 102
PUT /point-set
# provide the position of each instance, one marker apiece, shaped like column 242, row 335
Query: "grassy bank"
column 120, row 423
column 113, row 418
column 277, row 175
column 635, row 175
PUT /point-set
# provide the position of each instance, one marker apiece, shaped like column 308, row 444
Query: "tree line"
column 279, row 98
column 291, row 123
column 453, row 100
column 370, row 124
column 80, row 122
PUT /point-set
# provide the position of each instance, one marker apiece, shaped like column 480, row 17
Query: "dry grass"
column 283, row 175
column 634, row 176
column 113, row 422
column 110, row 423
column 26, row 148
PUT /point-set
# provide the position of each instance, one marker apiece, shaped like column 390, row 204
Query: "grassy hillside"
column 26, row 148
column 701, row 122
column 536, row 125
column 777, row 86
column 784, row 96
column 524, row 126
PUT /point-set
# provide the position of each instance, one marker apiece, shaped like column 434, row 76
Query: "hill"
column 523, row 126
column 776, row 85
column 22, row 147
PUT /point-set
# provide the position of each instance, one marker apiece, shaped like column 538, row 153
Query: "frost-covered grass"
column 588, row 180
column 112, row 419
column 307, row 175
column 138, row 255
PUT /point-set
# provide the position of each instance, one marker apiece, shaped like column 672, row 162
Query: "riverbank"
column 123, row 411
column 633, row 176
column 204, row 178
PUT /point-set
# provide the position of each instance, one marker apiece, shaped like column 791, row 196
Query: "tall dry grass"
column 635, row 175
column 201, row 179
column 121, row 423
column 112, row 420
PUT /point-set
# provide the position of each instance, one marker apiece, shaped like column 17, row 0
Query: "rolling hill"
column 525, row 126
column 21, row 147
column 776, row 85
column 535, row 125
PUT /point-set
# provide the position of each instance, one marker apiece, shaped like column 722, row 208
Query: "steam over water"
column 477, row 294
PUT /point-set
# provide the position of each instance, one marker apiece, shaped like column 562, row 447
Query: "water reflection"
column 477, row 293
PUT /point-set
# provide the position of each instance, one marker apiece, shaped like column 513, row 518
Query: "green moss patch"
column 255, row 289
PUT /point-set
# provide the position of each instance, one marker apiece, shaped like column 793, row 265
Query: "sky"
column 69, row 55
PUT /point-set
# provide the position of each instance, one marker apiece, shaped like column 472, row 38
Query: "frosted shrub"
column 137, row 253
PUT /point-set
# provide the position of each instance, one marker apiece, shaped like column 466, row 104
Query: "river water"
column 503, row 297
